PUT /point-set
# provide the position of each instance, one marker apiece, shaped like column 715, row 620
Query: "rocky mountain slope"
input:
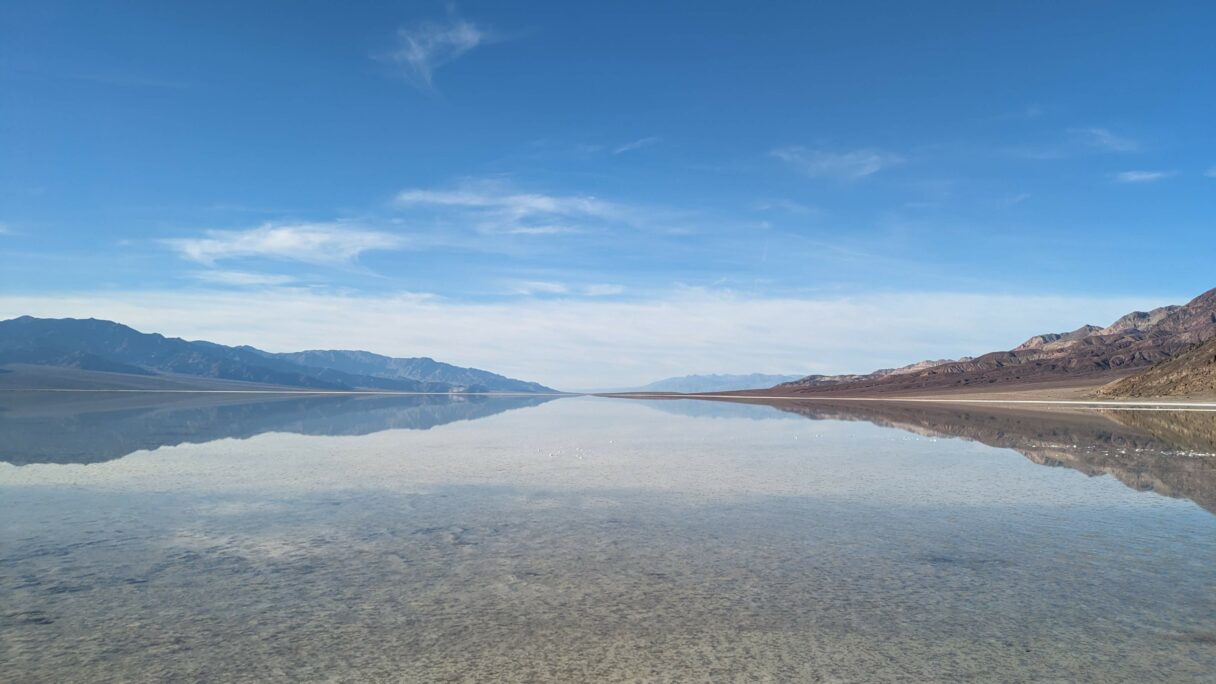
column 1047, row 339
column 1089, row 355
column 104, row 346
column 1191, row 374
column 1140, row 319
column 824, row 380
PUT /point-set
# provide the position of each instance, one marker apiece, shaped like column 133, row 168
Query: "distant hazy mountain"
column 715, row 383
column 96, row 345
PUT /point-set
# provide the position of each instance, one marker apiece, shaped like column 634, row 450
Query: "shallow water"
column 419, row 539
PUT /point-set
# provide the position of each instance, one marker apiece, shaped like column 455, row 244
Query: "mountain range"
column 1166, row 352
column 94, row 347
column 1089, row 356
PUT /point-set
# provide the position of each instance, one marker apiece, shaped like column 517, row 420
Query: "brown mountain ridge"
column 1089, row 356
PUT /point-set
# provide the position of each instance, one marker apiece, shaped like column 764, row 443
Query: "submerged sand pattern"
column 600, row 540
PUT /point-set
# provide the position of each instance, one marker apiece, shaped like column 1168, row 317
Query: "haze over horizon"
column 597, row 197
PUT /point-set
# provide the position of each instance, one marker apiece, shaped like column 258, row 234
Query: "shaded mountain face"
column 96, row 345
column 42, row 340
column 1089, row 354
column 73, row 359
column 420, row 369
column 1191, row 374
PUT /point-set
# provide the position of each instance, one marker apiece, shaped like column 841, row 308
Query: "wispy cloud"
column 1104, row 139
column 315, row 243
column 1074, row 142
column 850, row 165
column 1211, row 172
column 495, row 209
column 636, row 145
column 241, row 278
column 1141, row 176
column 531, row 287
column 425, row 47
column 603, row 290
column 788, row 206
column 1038, row 152
column 546, row 287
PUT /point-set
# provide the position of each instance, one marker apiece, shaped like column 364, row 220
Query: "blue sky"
column 708, row 187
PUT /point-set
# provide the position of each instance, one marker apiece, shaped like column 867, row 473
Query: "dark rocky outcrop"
column 1191, row 374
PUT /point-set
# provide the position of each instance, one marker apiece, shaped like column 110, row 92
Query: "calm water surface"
column 193, row 537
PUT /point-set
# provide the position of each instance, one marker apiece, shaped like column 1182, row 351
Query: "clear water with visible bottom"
column 591, row 539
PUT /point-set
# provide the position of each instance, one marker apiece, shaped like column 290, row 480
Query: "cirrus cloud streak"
column 425, row 47
column 494, row 209
column 314, row 243
column 1141, row 176
column 849, row 165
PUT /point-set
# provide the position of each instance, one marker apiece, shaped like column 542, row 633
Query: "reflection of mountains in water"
column 700, row 408
column 39, row 428
column 1172, row 453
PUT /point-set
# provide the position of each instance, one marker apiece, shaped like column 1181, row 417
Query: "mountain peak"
column 1139, row 320
column 1041, row 341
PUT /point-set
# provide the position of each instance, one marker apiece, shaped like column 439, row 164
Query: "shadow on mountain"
column 1172, row 453
column 44, row 428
